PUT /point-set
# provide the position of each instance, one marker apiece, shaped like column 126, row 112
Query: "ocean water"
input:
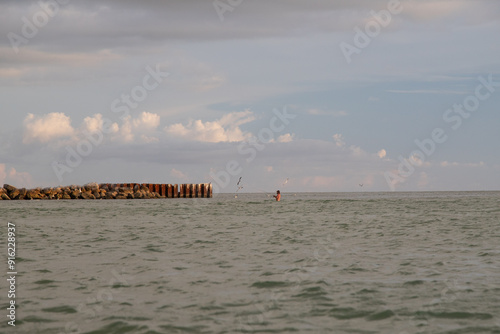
column 313, row 263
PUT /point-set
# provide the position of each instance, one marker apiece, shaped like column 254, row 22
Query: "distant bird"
column 286, row 181
column 361, row 184
column 238, row 185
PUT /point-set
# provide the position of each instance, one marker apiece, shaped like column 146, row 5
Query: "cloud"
column 56, row 128
column 382, row 153
column 143, row 126
column 431, row 10
column 99, row 24
column 177, row 174
column 95, row 123
column 339, row 140
column 17, row 179
column 21, row 179
column 46, row 128
column 225, row 129
column 146, row 121
column 37, row 67
column 458, row 164
column 286, row 138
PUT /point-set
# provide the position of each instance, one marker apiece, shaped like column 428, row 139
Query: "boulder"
column 47, row 191
column 121, row 196
column 9, row 188
column 130, row 195
column 66, row 196
column 5, row 197
column 138, row 194
column 86, row 195
column 33, row 194
column 91, row 186
column 109, row 195
column 75, row 194
column 14, row 194
column 22, row 193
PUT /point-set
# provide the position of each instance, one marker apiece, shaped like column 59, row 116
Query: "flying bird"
column 238, row 185
column 361, row 184
column 286, row 181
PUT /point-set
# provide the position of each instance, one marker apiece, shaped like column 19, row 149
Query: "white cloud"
column 21, row 179
column 95, row 123
column 286, row 138
column 226, row 129
column 46, row 128
column 146, row 121
column 357, row 151
column 382, row 153
column 17, row 179
column 143, row 126
column 149, row 139
column 339, row 140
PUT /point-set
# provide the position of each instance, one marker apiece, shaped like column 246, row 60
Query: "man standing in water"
column 277, row 196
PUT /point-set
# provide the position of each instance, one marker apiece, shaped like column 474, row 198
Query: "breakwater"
column 109, row 191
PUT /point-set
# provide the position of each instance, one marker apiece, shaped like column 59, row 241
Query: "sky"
column 296, row 95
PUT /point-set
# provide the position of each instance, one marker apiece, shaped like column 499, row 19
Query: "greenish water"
column 312, row 263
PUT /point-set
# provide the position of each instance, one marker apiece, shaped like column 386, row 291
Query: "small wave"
column 456, row 315
column 153, row 248
column 380, row 315
column 182, row 329
column 35, row 319
column 315, row 293
column 344, row 313
column 60, row 309
column 270, row 284
column 415, row 282
column 118, row 327
column 44, row 281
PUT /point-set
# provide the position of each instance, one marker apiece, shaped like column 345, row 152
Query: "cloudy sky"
column 393, row 95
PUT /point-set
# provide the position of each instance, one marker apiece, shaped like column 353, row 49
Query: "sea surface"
column 313, row 263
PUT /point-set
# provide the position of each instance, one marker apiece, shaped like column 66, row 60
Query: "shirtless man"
column 277, row 196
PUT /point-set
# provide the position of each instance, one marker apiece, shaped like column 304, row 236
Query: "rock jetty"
column 107, row 191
